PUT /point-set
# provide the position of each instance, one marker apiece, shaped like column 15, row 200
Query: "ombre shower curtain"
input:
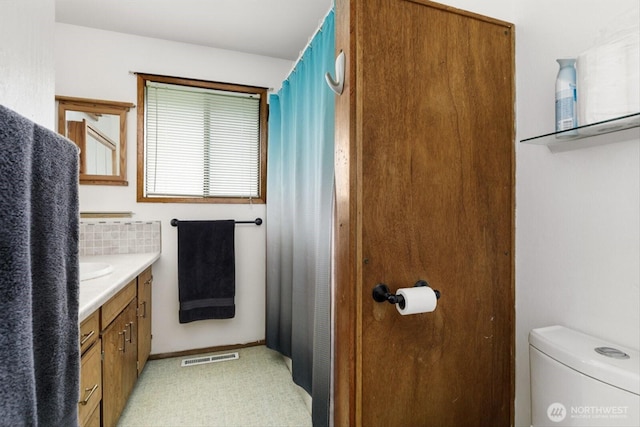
column 300, row 177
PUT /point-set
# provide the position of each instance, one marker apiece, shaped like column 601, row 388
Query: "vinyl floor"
column 254, row 390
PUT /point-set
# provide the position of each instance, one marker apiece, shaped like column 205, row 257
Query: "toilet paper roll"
column 421, row 299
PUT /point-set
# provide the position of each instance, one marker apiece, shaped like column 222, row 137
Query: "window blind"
column 201, row 142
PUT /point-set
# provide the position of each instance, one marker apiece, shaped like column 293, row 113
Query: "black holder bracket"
column 381, row 293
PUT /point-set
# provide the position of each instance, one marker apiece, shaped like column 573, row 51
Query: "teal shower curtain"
column 299, row 220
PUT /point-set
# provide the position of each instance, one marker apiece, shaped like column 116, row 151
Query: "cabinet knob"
column 85, row 337
column 124, row 340
column 144, row 311
column 130, row 326
column 91, row 391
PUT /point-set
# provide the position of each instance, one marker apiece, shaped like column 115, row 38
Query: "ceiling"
column 275, row 28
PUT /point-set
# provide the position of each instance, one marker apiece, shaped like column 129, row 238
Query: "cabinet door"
column 131, row 357
column 90, row 384
column 119, row 371
column 144, row 317
column 424, row 190
column 89, row 331
column 94, row 419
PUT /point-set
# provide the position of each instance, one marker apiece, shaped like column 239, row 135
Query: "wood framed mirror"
column 99, row 128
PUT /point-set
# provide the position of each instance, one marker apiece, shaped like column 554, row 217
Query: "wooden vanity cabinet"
column 90, row 372
column 120, row 352
column 145, row 279
column 115, row 342
column 126, row 343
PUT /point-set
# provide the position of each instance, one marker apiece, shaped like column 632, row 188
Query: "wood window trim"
column 142, row 78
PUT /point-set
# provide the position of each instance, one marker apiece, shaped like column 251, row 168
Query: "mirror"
column 99, row 128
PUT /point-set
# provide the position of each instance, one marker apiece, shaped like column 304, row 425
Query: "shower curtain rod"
column 304, row 49
column 257, row 221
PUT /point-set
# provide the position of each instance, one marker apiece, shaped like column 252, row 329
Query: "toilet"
column 580, row 380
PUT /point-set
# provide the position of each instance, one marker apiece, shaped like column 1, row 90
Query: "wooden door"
column 77, row 132
column 119, row 371
column 424, row 184
column 144, row 318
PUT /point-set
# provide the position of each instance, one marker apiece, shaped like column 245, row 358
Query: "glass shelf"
column 586, row 131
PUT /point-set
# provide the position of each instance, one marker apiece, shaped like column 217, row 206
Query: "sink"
column 92, row 270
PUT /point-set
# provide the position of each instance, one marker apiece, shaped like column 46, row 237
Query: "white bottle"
column 566, row 97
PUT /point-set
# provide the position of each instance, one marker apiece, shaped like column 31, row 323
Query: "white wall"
column 95, row 64
column 577, row 227
column 27, row 74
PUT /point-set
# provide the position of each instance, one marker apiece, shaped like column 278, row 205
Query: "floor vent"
column 209, row 359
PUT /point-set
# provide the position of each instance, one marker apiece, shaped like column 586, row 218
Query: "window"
column 200, row 142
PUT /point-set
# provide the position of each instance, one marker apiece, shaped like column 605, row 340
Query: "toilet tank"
column 572, row 384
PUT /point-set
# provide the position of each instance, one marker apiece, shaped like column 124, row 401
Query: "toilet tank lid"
column 577, row 351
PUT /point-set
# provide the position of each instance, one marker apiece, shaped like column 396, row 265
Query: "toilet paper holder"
column 381, row 293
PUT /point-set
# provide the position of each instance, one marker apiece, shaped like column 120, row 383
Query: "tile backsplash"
column 119, row 237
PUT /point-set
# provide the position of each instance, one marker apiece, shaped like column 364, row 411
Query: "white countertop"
column 95, row 292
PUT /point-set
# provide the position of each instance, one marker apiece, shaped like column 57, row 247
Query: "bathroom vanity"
column 115, row 334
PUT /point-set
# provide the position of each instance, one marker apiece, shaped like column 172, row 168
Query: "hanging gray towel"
column 39, row 275
column 206, row 270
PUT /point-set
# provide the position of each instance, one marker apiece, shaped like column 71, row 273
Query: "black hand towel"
column 206, row 270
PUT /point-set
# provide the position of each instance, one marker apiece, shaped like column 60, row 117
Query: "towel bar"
column 257, row 221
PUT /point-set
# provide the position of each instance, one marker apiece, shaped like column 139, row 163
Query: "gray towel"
column 39, row 275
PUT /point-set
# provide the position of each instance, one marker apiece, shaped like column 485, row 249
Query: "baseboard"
column 204, row 350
